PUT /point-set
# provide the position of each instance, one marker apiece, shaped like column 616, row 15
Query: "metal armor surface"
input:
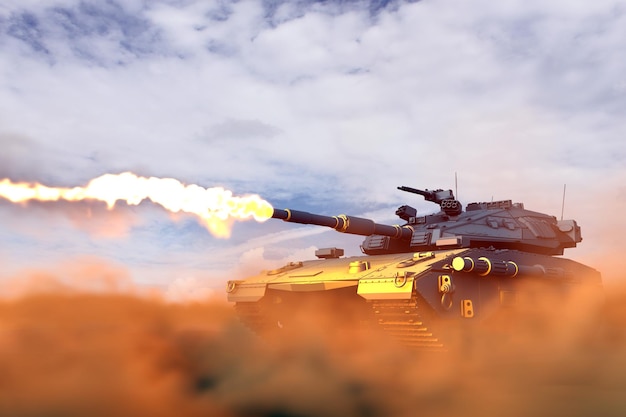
column 417, row 280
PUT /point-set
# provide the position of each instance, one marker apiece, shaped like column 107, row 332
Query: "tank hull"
column 419, row 299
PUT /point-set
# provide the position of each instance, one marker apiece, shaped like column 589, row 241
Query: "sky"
column 324, row 106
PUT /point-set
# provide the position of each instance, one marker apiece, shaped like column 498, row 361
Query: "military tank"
column 418, row 280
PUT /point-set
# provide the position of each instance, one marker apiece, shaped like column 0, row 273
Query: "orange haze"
column 71, row 349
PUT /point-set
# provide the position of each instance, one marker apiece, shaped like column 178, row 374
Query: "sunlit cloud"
column 321, row 106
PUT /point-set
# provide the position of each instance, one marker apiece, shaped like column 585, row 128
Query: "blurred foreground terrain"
column 67, row 352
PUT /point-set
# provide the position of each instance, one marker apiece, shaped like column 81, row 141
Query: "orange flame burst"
column 215, row 207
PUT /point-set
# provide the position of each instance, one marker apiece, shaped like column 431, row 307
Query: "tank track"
column 400, row 319
column 403, row 321
column 251, row 316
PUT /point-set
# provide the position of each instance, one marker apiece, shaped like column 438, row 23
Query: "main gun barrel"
column 344, row 224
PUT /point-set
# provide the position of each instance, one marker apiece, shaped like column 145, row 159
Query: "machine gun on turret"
column 445, row 198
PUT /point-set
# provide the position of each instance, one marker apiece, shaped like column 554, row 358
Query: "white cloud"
column 329, row 101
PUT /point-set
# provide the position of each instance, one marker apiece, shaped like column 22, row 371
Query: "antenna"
column 456, row 189
column 563, row 203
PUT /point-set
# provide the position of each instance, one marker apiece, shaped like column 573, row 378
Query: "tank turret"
column 418, row 278
column 498, row 224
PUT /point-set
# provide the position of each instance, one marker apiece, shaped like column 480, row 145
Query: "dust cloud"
column 105, row 350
